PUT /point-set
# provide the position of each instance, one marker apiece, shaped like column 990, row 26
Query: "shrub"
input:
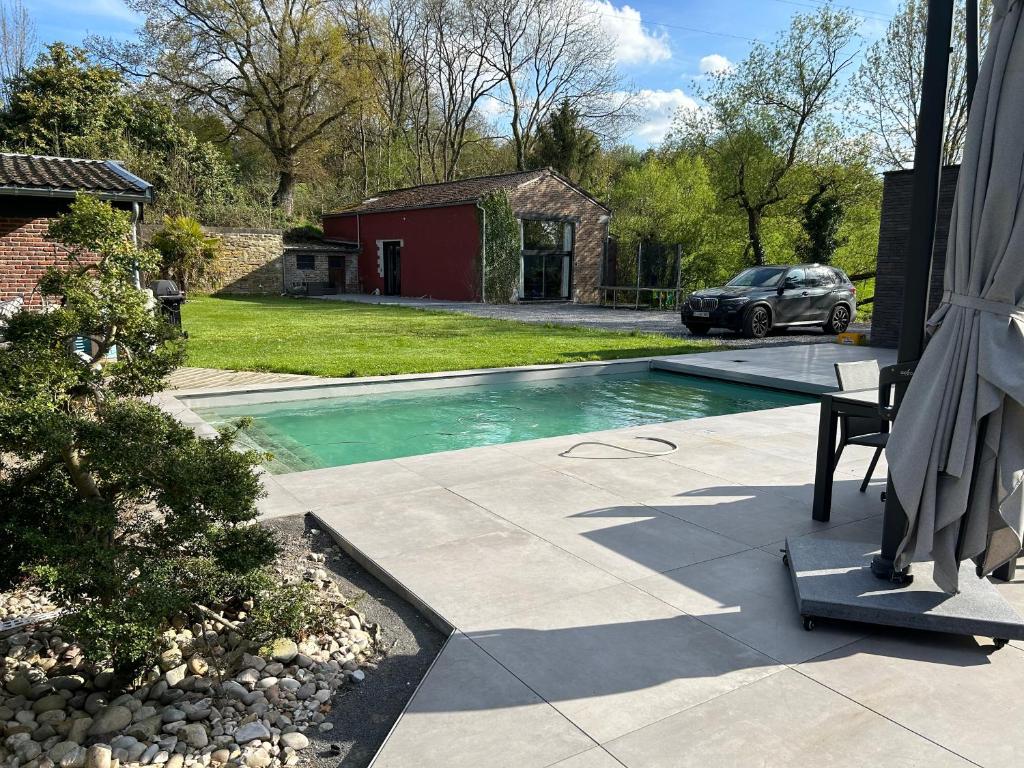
column 502, row 248
column 124, row 513
column 187, row 254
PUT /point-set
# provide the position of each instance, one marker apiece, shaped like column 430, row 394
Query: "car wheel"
column 698, row 329
column 838, row 319
column 757, row 322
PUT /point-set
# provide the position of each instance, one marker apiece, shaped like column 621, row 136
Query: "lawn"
column 330, row 338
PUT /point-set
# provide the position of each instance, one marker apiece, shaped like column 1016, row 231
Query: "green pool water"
column 330, row 432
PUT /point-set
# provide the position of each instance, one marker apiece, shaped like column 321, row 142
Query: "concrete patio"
column 609, row 611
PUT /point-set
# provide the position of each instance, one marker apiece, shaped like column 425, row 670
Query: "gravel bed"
column 363, row 716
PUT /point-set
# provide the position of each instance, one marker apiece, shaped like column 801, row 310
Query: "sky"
column 662, row 46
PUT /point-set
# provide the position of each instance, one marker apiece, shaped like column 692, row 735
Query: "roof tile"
column 68, row 174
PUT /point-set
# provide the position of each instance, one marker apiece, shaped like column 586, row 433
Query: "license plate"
column 702, row 314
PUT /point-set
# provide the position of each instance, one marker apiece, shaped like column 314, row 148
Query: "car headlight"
column 736, row 302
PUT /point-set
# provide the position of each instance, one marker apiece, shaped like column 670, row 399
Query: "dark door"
column 336, row 272
column 793, row 302
column 821, row 285
column 392, row 268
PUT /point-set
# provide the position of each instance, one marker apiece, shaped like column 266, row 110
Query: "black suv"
column 761, row 298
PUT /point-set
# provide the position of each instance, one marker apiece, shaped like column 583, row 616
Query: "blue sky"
column 662, row 45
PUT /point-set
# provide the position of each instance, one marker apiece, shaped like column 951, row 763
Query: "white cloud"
column 634, row 43
column 714, row 63
column 657, row 110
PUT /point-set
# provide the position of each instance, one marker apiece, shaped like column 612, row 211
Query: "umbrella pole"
column 918, row 262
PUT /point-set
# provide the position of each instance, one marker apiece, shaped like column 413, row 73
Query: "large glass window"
column 547, row 258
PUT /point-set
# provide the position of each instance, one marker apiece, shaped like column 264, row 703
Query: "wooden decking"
column 203, row 378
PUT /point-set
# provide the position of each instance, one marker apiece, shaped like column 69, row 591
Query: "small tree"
column 187, row 254
column 821, row 217
column 124, row 513
column 565, row 144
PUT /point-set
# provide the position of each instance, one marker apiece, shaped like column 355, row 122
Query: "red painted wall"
column 440, row 249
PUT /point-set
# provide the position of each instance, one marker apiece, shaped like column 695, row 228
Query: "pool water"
column 330, row 432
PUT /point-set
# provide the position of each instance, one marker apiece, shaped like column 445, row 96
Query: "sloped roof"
column 446, row 193
column 42, row 176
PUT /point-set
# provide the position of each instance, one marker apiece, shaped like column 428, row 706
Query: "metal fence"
column 642, row 274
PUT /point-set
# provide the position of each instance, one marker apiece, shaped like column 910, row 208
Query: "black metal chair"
column 871, row 433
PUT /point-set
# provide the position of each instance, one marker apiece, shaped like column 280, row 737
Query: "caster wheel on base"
column 808, row 623
column 785, row 559
column 999, row 642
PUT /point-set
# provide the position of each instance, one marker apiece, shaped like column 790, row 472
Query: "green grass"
column 330, row 338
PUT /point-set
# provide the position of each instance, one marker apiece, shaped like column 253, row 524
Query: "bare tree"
column 768, row 114
column 885, row 93
column 280, row 71
column 18, row 44
column 551, row 52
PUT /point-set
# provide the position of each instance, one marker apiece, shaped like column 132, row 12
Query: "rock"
column 248, row 676
column 146, row 729
column 197, row 665
column 266, row 682
column 158, row 690
column 67, row 682
column 48, row 703
column 357, row 676
column 273, row 669
column 28, row 751
column 172, row 715
column 74, row 759
column 255, row 662
column 98, row 756
column 95, row 702
column 220, row 756
column 258, row 758
column 124, row 742
column 302, row 660
column 110, row 719
column 103, row 679
column 61, row 748
column 251, row 732
column 284, row 650
column 294, row 740
column 19, row 685
column 194, row 734
column 176, row 761
column 170, row 658
column 305, row 691
column 79, row 729
column 176, row 675
column 233, row 689
column 147, row 757
column 53, row 716
column 324, row 727
column 161, row 757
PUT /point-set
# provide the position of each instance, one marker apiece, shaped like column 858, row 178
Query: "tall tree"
column 17, row 44
column 565, row 144
column 554, row 51
column 885, row 93
column 761, row 118
column 280, row 71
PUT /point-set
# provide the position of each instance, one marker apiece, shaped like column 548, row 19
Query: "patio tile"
column 352, row 483
column 471, row 712
column 868, row 530
column 749, row 596
column 952, row 690
column 465, row 466
column 618, row 659
column 389, row 525
column 474, row 582
column 733, row 461
column 640, row 479
column 279, row 502
column 780, row 721
column 754, row 515
column 627, row 540
column 592, row 758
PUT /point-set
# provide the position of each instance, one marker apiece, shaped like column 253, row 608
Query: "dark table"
column 853, row 402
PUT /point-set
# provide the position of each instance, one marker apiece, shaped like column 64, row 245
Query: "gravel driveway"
column 592, row 316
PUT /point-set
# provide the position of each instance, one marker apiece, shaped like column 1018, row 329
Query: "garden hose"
column 672, row 448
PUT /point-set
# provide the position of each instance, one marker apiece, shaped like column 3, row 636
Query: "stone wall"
column 893, row 235
column 551, row 197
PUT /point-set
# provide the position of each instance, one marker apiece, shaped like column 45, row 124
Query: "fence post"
column 639, row 263
column 679, row 273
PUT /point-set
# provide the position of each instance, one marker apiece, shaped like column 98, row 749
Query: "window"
column 547, row 235
column 335, row 261
column 796, row 278
column 823, row 277
column 305, row 262
column 758, row 277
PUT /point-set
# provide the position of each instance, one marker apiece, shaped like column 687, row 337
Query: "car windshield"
column 758, row 277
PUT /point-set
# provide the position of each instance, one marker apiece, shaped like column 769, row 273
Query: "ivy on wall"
column 501, row 248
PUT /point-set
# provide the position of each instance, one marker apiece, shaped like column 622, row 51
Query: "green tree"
column 821, row 218
column 126, row 514
column 565, row 144
column 187, row 254
column 761, row 118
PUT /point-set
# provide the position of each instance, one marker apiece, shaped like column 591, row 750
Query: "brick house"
column 35, row 189
column 426, row 241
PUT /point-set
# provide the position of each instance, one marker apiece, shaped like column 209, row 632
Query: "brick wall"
column 549, row 196
column 25, row 254
column 892, row 244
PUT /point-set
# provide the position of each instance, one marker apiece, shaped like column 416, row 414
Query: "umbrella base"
column 833, row 580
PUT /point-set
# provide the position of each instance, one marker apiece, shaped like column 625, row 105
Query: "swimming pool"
column 334, row 431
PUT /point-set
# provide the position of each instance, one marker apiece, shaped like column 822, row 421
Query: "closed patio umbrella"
column 956, row 453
